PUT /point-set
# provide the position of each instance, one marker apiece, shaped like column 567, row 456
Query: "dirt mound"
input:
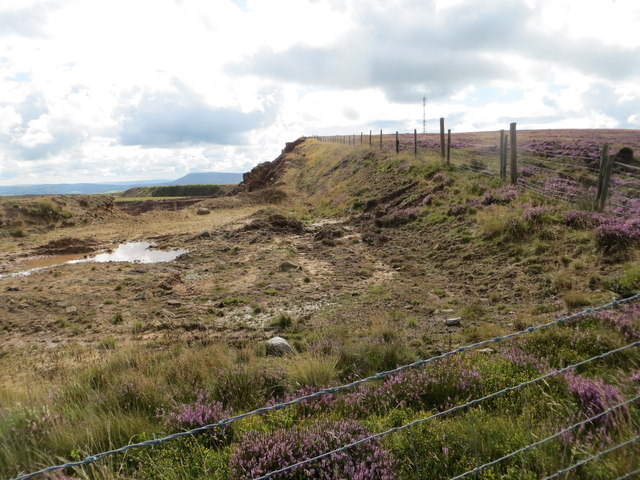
column 329, row 232
column 66, row 245
column 275, row 223
column 266, row 174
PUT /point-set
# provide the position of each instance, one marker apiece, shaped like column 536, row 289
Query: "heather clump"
column 536, row 215
column 595, row 397
column 500, row 195
column 257, row 453
column 582, row 219
column 398, row 218
column 442, row 179
column 625, row 320
column 203, row 411
column 566, row 188
column 618, row 234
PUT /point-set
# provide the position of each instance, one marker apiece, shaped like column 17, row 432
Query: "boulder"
column 278, row 346
column 288, row 267
column 453, row 322
column 487, row 351
column 203, row 211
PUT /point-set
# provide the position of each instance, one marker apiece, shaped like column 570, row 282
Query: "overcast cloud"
column 120, row 90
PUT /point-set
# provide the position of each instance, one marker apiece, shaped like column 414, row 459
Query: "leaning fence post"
column 604, row 176
column 397, row 143
column 380, row 139
column 442, row 138
column 448, row 146
column 514, row 154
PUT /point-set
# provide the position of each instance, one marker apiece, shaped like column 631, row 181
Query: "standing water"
column 134, row 252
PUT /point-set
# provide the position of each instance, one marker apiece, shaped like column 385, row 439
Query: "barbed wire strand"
column 446, row 412
column 544, row 440
column 330, row 391
column 594, row 457
column 629, row 475
column 536, row 160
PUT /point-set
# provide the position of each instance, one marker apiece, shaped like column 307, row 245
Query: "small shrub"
column 108, row 343
column 282, row 322
column 581, row 219
column 398, row 218
column 594, row 397
column 203, row 411
column 314, row 371
column 629, row 282
column 575, row 299
column 137, row 327
column 500, row 195
column 260, row 453
column 473, row 312
column 456, row 210
column 117, row 319
column 616, row 235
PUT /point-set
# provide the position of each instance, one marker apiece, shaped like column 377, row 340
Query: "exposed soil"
column 268, row 252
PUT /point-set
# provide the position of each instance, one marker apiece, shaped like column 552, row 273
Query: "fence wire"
column 327, row 391
column 594, row 457
column 445, row 412
column 544, row 440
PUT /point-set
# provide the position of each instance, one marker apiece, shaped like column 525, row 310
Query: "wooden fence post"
column 514, row 154
column 381, row 140
column 448, row 146
column 604, row 176
column 442, row 138
column 397, row 143
column 360, row 138
column 415, row 141
column 370, row 137
column 503, row 157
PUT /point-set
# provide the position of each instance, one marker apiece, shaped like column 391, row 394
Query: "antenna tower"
column 424, row 114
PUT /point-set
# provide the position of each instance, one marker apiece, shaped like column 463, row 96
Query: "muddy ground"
column 244, row 268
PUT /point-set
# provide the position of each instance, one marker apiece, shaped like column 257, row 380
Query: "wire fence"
column 577, row 171
column 452, row 410
column 330, row 391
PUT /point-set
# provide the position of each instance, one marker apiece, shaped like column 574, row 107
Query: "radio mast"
column 424, row 114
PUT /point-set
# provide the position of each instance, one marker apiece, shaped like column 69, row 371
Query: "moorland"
column 357, row 257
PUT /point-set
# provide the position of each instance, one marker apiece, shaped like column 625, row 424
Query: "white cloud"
column 94, row 91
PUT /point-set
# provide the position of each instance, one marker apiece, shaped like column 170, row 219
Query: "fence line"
column 594, row 457
column 445, row 412
column 485, row 149
column 329, row 391
column 544, row 440
column 629, row 475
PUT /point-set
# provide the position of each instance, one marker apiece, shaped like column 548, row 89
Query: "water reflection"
column 134, row 252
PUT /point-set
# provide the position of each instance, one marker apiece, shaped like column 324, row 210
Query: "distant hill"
column 205, row 178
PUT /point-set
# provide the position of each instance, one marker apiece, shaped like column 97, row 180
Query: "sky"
column 99, row 91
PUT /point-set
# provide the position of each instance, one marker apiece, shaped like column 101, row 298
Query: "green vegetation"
column 169, row 191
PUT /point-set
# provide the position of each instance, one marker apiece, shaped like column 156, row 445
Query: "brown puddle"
column 134, row 252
